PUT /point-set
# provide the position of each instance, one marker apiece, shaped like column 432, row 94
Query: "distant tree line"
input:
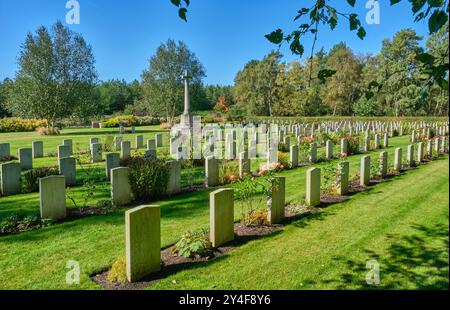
column 390, row 83
column 57, row 79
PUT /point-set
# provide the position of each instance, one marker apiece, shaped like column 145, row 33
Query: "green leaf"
column 276, row 37
column 437, row 21
column 393, row 2
column 187, row 2
column 417, row 5
column 176, row 2
column 435, row 3
column 351, row 2
column 296, row 47
column 425, row 58
column 182, row 13
column 354, row 22
column 324, row 74
column 369, row 95
column 361, row 33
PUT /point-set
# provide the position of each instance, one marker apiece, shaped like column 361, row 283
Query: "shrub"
column 148, row 177
column 130, row 120
column 118, row 272
column 108, row 145
column 48, row 131
column 194, row 243
column 283, row 159
column 353, row 145
column 283, row 147
column 228, row 171
column 256, row 218
column 20, row 223
column 15, row 124
column 30, row 179
column 253, row 193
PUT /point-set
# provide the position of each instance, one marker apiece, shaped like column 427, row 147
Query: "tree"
column 437, row 99
column 342, row 89
column 56, row 76
column 255, row 85
column 222, row 105
column 115, row 95
column 397, row 70
column 4, row 88
column 162, row 83
column 214, row 92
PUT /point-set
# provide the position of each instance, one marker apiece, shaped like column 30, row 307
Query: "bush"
column 130, row 120
column 228, row 171
column 108, row 145
column 20, row 223
column 30, row 179
column 194, row 243
column 353, row 145
column 148, row 177
column 256, row 218
column 15, row 124
column 118, row 272
column 48, row 131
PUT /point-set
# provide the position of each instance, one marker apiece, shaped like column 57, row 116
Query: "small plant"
column 256, row 218
column 89, row 182
column 194, row 243
column 375, row 171
column 48, row 131
column 228, row 172
column 20, row 223
column 253, row 193
column 118, row 272
column 329, row 180
column 148, row 177
column 283, row 159
column 30, row 179
column 108, row 145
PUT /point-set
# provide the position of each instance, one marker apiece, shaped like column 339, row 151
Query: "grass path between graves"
column 402, row 224
column 406, row 215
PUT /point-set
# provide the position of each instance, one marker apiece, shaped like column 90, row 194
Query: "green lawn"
column 401, row 223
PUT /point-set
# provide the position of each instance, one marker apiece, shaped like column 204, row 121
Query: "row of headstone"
column 143, row 228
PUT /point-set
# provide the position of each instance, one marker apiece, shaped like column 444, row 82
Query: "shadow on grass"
column 416, row 261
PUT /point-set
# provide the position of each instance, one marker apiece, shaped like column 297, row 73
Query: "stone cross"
column 186, row 119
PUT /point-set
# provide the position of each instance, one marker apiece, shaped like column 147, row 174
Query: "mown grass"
column 305, row 255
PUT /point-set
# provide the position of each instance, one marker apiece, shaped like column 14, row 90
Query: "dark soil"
column 76, row 213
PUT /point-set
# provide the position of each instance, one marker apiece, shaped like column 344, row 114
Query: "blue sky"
column 224, row 34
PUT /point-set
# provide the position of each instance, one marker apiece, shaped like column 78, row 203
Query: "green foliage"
column 130, row 120
column 15, row 124
column 56, row 77
column 252, row 193
column 118, row 272
column 194, row 243
column 148, row 177
column 30, row 179
column 162, row 83
column 115, row 95
column 255, row 85
column 20, row 223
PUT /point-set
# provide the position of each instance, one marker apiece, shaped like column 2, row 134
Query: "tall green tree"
column 162, row 83
column 397, row 70
column 56, row 76
column 115, row 95
column 342, row 89
column 255, row 85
